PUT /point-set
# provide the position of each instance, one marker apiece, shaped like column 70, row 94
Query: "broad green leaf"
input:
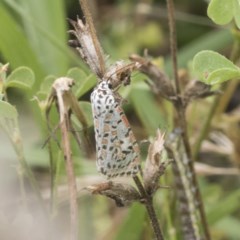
column 14, row 46
column 222, row 75
column 212, row 68
column 7, row 111
column 50, row 16
column 237, row 13
column 133, row 225
column 83, row 82
column 78, row 75
column 22, row 77
column 45, row 24
column 221, row 11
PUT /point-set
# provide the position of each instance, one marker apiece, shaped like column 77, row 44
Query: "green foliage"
column 14, row 46
column 36, row 36
column 7, row 111
column 21, row 77
column 83, row 82
column 222, row 12
column 33, row 39
column 213, row 68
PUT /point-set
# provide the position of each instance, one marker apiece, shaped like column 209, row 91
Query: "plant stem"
column 181, row 115
column 173, row 43
column 148, row 201
column 71, row 179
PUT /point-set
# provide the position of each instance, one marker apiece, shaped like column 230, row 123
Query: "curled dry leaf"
column 122, row 194
column 158, row 80
column 60, row 88
column 154, row 167
column 196, row 89
column 88, row 46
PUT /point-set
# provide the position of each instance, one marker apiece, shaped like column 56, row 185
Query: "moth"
column 116, row 147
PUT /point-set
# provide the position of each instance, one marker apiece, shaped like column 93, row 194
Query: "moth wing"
column 118, row 151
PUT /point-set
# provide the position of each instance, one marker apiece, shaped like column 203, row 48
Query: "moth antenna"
column 120, row 69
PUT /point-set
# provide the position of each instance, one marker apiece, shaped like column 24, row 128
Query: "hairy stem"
column 181, row 116
column 173, row 43
column 148, row 201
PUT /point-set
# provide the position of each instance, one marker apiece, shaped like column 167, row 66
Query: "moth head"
column 120, row 74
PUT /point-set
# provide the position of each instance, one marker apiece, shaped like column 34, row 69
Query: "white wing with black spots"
column 116, row 146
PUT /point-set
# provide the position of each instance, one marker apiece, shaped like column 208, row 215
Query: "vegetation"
column 35, row 184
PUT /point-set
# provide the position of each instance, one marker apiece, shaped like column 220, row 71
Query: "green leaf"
column 221, row 11
column 46, row 85
column 222, row 75
column 236, row 13
column 133, row 225
column 45, row 26
column 77, row 74
column 14, row 46
column 83, row 82
column 22, row 77
column 213, row 68
column 7, row 111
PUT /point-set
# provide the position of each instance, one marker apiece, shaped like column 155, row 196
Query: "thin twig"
column 62, row 89
column 71, row 179
column 148, row 201
column 173, row 43
column 181, row 115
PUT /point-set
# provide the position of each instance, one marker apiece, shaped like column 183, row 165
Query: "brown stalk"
column 61, row 93
column 71, row 179
column 173, row 43
column 148, row 202
column 181, row 115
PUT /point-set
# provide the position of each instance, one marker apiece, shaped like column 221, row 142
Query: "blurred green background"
column 34, row 34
